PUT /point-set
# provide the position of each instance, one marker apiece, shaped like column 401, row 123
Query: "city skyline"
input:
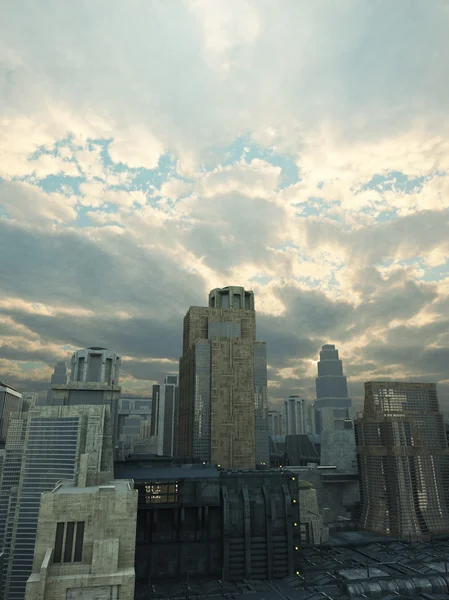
column 171, row 148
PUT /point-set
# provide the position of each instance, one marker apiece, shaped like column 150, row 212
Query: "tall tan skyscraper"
column 223, row 412
column 403, row 461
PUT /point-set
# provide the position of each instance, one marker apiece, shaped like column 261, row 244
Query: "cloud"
column 28, row 204
column 151, row 152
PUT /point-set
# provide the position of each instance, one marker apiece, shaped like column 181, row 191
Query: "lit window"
column 161, row 492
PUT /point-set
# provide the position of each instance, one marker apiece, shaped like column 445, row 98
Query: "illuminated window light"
column 295, row 524
column 294, row 501
column 296, row 547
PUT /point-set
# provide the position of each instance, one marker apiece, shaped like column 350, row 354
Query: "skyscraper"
column 223, row 416
column 275, row 422
column 94, row 380
column 403, row 461
column 164, row 413
column 10, row 401
column 295, row 415
column 332, row 399
column 59, row 377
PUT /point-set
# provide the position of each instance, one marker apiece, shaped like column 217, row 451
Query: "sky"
column 152, row 150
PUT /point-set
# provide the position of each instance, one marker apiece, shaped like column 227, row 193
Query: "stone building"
column 94, row 380
column 223, row 415
column 313, row 530
column 85, row 543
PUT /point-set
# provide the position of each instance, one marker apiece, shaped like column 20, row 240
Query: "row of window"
column 69, row 542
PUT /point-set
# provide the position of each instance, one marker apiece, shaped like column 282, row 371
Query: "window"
column 69, row 542
column 161, row 492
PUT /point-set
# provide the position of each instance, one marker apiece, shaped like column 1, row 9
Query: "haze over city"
column 153, row 151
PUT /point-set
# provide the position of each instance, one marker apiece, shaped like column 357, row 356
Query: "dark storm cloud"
column 68, row 267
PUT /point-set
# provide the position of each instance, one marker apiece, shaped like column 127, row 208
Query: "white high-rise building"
column 295, row 415
column 275, row 422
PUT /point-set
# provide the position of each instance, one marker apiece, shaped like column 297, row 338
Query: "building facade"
column 295, row 415
column 59, row 377
column 94, row 381
column 403, row 461
column 95, row 364
column 275, row 422
column 223, row 412
column 209, row 523
column 134, row 415
column 332, row 399
column 10, row 401
column 45, row 445
column 85, row 543
column 164, row 416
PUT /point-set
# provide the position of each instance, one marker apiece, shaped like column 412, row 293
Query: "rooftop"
column 374, row 570
column 118, row 486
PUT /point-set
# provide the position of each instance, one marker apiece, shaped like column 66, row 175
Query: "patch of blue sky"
column 311, row 282
column 318, row 207
column 396, row 180
column 386, row 216
column 242, row 148
column 432, row 274
column 58, row 183
column 261, row 279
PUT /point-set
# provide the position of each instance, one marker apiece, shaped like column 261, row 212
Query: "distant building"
column 164, row 415
column 338, row 447
column 94, row 381
column 10, row 401
column 275, row 422
column 313, row 530
column 133, row 414
column 295, row 415
column 59, row 377
column 95, row 364
column 85, row 543
column 403, row 461
column 30, row 398
column 332, row 399
column 223, row 415
column 45, row 445
column 311, row 418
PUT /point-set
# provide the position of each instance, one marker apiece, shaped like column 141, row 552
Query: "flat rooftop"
column 118, row 486
column 327, row 571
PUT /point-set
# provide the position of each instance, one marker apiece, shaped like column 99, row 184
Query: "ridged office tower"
column 223, row 412
column 332, row 402
column 403, row 461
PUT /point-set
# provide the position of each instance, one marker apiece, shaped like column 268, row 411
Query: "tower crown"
column 231, row 297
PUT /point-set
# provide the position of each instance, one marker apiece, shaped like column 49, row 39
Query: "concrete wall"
column 109, row 514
